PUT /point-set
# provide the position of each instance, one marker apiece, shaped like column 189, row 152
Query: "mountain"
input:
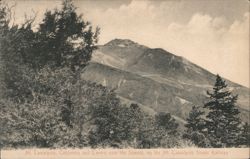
column 155, row 79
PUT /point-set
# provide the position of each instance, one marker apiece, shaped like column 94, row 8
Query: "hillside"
column 155, row 78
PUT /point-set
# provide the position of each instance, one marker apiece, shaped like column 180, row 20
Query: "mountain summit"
column 121, row 43
column 155, row 79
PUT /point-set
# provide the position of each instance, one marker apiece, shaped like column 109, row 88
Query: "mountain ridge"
column 118, row 41
column 155, row 78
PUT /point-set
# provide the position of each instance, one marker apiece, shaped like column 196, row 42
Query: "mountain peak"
column 121, row 43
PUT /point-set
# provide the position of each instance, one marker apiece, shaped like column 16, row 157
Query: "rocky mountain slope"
column 155, row 79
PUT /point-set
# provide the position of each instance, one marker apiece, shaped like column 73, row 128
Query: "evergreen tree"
column 165, row 131
column 129, row 122
column 167, row 122
column 13, row 72
column 222, row 121
column 157, row 131
column 195, row 127
column 64, row 39
column 104, row 116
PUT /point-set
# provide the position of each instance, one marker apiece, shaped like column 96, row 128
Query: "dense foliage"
column 221, row 125
column 45, row 103
column 223, row 122
column 196, row 128
column 67, row 112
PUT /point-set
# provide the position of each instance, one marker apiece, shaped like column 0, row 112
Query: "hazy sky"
column 211, row 33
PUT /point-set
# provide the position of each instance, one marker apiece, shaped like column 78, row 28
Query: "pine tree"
column 167, row 122
column 222, row 123
column 196, row 127
column 64, row 39
column 165, row 131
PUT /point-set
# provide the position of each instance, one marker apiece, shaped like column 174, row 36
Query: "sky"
column 213, row 34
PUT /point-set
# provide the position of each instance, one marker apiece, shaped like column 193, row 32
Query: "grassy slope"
column 157, row 96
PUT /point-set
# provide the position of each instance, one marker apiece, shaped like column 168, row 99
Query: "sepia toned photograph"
column 135, row 75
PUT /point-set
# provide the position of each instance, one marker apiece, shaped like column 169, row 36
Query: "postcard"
column 124, row 79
